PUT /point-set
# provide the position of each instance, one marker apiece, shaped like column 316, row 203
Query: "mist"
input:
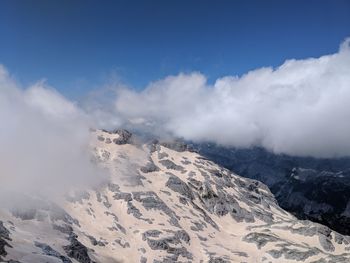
column 299, row 108
column 44, row 142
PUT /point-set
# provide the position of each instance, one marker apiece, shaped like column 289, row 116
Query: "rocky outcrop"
column 124, row 136
column 77, row 250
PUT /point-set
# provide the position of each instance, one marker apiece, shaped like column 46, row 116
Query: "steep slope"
column 323, row 197
column 163, row 205
column 310, row 188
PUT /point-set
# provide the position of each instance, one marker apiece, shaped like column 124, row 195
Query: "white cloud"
column 44, row 140
column 300, row 108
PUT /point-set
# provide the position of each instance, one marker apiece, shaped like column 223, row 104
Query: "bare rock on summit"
column 124, row 136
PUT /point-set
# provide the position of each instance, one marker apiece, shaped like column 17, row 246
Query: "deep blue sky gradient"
column 78, row 45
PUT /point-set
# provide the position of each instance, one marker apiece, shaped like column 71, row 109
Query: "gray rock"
column 171, row 165
column 64, row 228
column 183, row 200
column 218, row 260
column 260, row 239
column 106, row 203
column 133, row 210
column 4, row 232
column 57, row 213
column 326, row 243
column 151, row 233
column 341, row 239
column 202, row 238
column 4, row 235
column 163, row 244
column 179, row 186
column 113, row 187
column 122, row 196
column 122, row 243
column 124, row 136
column 293, row 254
column 183, row 235
column 185, row 162
column 101, row 138
column 322, row 260
column 160, row 244
column 198, row 226
column 150, row 200
column 49, row 251
column 205, row 216
column 176, row 145
column 143, row 250
column 96, row 242
column 162, row 155
column 77, row 250
column 149, row 167
column 121, row 228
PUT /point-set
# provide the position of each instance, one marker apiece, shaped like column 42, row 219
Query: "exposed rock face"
column 4, row 237
column 124, row 136
column 323, row 197
column 310, row 188
column 164, row 205
column 49, row 251
column 118, row 136
column 77, row 250
column 177, row 145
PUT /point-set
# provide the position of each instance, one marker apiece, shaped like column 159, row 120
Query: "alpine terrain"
column 163, row 203
column 317, row 189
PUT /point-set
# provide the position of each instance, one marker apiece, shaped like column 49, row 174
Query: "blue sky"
column 79, row 45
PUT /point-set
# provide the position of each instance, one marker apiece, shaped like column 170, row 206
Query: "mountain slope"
column 310, row 188
column 162, row 205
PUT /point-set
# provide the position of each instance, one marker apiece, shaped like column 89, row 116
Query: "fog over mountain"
column 44, row 141
column 299, row 108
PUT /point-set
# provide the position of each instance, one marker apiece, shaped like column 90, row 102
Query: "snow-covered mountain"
column 310, row 188
column 163, row 203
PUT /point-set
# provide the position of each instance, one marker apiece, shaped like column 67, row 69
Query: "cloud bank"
column 300, row 108
column 44, row 141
